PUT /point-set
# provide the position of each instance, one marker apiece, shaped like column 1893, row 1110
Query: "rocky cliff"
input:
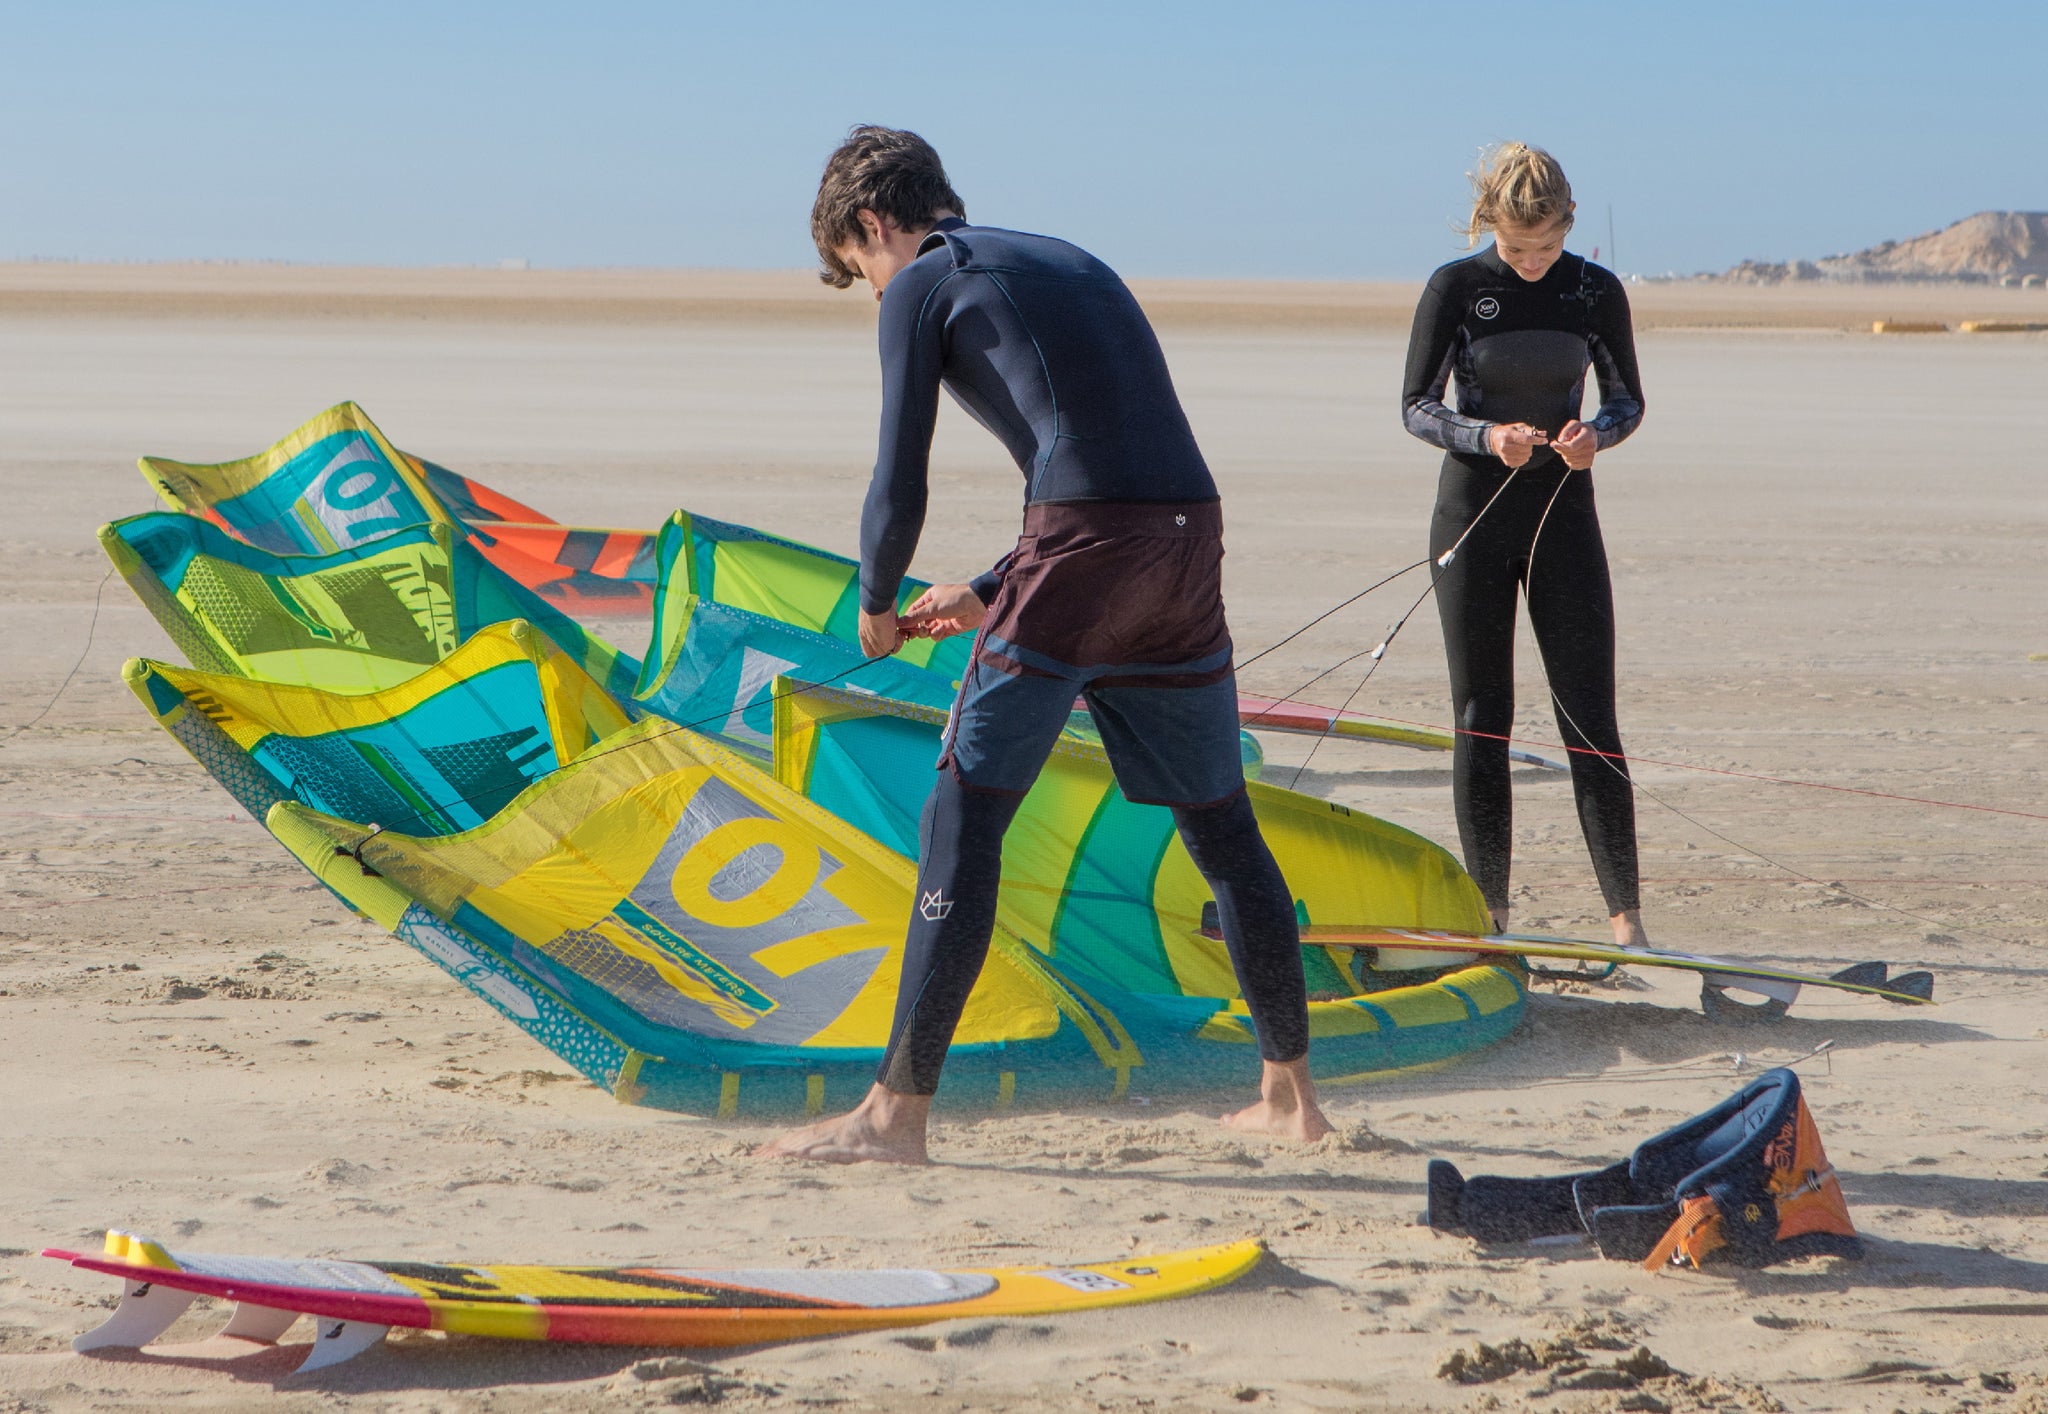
column 2004, row 247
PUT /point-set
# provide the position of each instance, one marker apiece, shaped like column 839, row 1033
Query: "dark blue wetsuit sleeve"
column 990, row 580
column 1432, row 350
column 1612, row 344
column 913, row 356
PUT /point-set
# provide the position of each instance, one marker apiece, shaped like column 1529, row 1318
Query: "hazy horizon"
column 1300, row 142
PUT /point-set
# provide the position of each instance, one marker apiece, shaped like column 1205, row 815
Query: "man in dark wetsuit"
column 1113, row 595
column 1519, row 325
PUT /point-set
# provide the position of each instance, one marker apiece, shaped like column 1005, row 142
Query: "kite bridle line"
column 1609, row 760
column 91, row 629
column 1378, row 652
column 355, row 852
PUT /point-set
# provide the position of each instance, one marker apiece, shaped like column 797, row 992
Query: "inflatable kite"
column 688, row 875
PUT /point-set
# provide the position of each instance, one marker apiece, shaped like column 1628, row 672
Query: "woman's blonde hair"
column 1517, row 185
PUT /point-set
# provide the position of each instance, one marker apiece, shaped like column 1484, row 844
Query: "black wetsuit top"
column 1044, row 346
column 1520, row 351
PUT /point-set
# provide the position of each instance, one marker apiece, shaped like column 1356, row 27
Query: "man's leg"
column 1256, row 910
column 952, row 916
column 1171, row 745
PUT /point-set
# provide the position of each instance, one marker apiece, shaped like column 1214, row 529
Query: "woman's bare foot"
column 886, row 1128
column 1287, row 1107
column 1628, row 929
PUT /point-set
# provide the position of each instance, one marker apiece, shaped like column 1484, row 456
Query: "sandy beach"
column 1828, row 557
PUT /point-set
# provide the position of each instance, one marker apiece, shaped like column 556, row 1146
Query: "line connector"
column 356, row 854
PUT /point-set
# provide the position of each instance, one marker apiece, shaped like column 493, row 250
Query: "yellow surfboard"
column 354, row 1304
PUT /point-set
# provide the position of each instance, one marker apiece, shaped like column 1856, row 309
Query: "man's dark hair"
column 891, row 172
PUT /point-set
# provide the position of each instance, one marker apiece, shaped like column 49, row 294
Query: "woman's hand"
column 1515, row 442
column 944, row 610
column 880, row 634
column 1576, row 444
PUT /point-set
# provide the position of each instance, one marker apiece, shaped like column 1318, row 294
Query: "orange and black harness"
column 1746, row 1182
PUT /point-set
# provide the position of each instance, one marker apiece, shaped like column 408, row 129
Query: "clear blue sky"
column 1190, row 138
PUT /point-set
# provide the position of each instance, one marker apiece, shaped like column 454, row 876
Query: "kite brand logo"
column 934, row 906
column 1487, row 307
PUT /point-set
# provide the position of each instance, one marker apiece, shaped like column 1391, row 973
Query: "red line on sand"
column 1760, row 879
column 120, row 815
column 1717, row 771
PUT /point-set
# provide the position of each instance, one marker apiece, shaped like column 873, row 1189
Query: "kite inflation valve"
column 356, row 853
column 1747, row 1182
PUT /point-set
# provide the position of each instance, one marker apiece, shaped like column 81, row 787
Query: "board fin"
column 262, row 1324
column 146, row 1311
column 1862, row 974
column 335, row 1341
column 1719, row 1006
column 1918, row 985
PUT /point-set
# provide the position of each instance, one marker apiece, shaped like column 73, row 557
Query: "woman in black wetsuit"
column 1519, row 325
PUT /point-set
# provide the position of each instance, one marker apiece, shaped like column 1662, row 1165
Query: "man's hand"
column 944, row 610
column 1515, row 442
column 879, row 634
column 1576, row 444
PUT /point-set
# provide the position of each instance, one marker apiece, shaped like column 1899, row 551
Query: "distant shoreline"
column 654, row 297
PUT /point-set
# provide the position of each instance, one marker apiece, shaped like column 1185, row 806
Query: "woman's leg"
column 1571, row 608
column 1475, row 597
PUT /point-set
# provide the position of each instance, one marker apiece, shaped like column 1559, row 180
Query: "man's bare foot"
column 1287, row 1107
column 1628, row 929
column 1500, row 919
column 886, row 1128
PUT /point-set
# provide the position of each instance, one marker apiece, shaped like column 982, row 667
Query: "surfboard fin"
column 336, row 1341
column 261, row 1324
column 146, row 1312
column 1777, row 997
column 1862, row 974
column 1919, row 985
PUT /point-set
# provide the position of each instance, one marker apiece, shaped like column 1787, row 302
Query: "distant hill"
column 1998, row 247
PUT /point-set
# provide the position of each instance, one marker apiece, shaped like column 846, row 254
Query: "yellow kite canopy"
column 366, row 617
column 333, row 484
column 443, row 751
column 461, row 762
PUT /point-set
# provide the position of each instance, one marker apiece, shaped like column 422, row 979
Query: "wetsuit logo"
column 1487, row 307
column 933, row 906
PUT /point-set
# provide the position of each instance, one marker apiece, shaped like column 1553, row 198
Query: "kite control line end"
column 357, row 853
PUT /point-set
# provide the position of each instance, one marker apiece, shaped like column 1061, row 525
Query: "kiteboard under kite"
column 355, row 1304
column 1267, row 714
column 1778, row 987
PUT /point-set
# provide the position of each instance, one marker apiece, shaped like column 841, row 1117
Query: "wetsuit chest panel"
column 1537, row 376
column 1526, row 347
